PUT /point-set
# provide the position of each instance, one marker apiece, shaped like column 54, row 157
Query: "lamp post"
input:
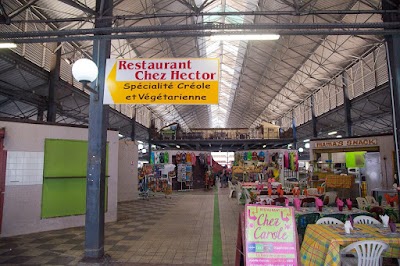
column 97, row 136
column 86, row 71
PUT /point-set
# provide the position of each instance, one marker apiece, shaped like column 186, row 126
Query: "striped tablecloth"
column 322, row 243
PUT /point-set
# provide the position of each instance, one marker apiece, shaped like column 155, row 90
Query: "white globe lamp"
column 85, row 70
column 301, row 149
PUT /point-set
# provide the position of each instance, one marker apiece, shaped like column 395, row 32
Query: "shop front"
column 369, row 161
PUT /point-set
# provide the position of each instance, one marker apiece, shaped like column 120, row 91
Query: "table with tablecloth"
column 269, row 199
column 322, row 243
column 253, row 185
column 329, row 210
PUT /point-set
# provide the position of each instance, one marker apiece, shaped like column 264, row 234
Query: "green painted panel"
column 355, row 159
column 65, row 197
column 66, row 158
column 64, row 182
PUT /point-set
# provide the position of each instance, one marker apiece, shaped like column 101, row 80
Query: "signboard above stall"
column 345, row 143
column 162, row 81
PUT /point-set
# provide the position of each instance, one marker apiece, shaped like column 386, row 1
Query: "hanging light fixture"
column 5, row 45
column 244, row 37
column 85, row 70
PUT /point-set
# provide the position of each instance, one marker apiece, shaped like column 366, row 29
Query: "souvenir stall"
column 190, row 167
column 157, row 175
column 261, row 165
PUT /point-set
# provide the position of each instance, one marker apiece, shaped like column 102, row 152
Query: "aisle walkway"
column 160, row 231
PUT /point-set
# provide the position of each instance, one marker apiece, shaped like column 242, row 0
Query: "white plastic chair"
column 332, row 195
column 247, row 196
column 364, row 219
column 238, row 189
column 328, row 220
column 362, row 203
column 312, row 191
column 232, row 189
column 368, row 253
column 371, row 200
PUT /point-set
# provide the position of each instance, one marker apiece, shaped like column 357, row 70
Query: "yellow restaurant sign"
column 346, row 143
column 162, row 81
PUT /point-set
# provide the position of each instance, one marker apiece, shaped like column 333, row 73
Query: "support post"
column 313, row 117
column 98, row 121
column 392, row 57
column 133, row 128
column 347, row 105
column 40, row 113
column 53, row 85
column 294, row 131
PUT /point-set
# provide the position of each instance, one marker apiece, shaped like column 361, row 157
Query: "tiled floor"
column 158, row 231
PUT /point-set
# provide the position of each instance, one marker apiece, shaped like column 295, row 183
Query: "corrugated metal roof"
column 260, row 80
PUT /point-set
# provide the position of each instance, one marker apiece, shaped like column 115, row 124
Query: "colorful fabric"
column 193, row 157
column 209, row 159
column 322, row 243
column 245, row 156
column 161, row 157
column 286, row 160
column 261, row 156
column 166, row 157
column 249, row 156
column 152, row 158
column 291, row 161
column 178, row 158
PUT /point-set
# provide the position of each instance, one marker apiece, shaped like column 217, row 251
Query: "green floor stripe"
column 217, row 242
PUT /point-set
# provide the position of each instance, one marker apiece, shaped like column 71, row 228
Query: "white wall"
column 22, row 200
column 127, row 171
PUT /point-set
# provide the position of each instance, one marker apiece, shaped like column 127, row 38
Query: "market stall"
column 368, row 159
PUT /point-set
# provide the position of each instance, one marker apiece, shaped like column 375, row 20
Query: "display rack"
column 184, row 175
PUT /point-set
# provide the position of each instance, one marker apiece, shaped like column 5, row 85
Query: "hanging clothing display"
column 261, row 156
column 193, row 158
column 286, row 160
column 166, row 157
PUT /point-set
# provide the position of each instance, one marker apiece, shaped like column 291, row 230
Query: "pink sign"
column 271, row 236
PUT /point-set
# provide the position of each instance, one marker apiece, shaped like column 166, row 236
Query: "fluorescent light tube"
column 7, row 45
column 245, row 37
column 332, row 133
column 306, row 140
